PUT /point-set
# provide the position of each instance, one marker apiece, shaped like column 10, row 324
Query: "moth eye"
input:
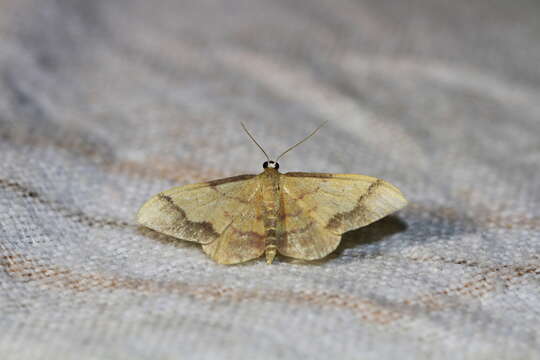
column 265, row 164
column 276, row 166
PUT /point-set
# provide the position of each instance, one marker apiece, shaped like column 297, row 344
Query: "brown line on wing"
column 306, row 209
column 308, row 174
column 337, row 219
column 203, row 227
column 229, row 179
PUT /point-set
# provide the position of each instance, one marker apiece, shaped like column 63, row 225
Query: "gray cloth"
column 104, row 103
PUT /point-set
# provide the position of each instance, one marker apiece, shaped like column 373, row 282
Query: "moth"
column 296, row 214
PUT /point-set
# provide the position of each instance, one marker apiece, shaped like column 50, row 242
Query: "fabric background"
column 104, row 103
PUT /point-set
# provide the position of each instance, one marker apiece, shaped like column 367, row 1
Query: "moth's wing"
column 244, row 238
column 206, row 212
column 302, row 234
column 319, row 207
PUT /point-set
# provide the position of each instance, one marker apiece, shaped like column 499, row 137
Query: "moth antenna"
column 300, row 142
column 255, row 141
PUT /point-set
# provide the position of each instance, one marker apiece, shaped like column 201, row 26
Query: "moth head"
column 270, row 164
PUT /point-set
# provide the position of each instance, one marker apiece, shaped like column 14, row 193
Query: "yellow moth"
column 296, row 214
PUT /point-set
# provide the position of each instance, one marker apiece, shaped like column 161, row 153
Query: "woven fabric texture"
column 104, row 103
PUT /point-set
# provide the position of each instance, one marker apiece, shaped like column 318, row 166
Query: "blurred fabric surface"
column 104, row 103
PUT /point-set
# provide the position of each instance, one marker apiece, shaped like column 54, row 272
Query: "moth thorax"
column 270, row 164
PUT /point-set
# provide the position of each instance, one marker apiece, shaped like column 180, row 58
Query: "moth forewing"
column 199, row 212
